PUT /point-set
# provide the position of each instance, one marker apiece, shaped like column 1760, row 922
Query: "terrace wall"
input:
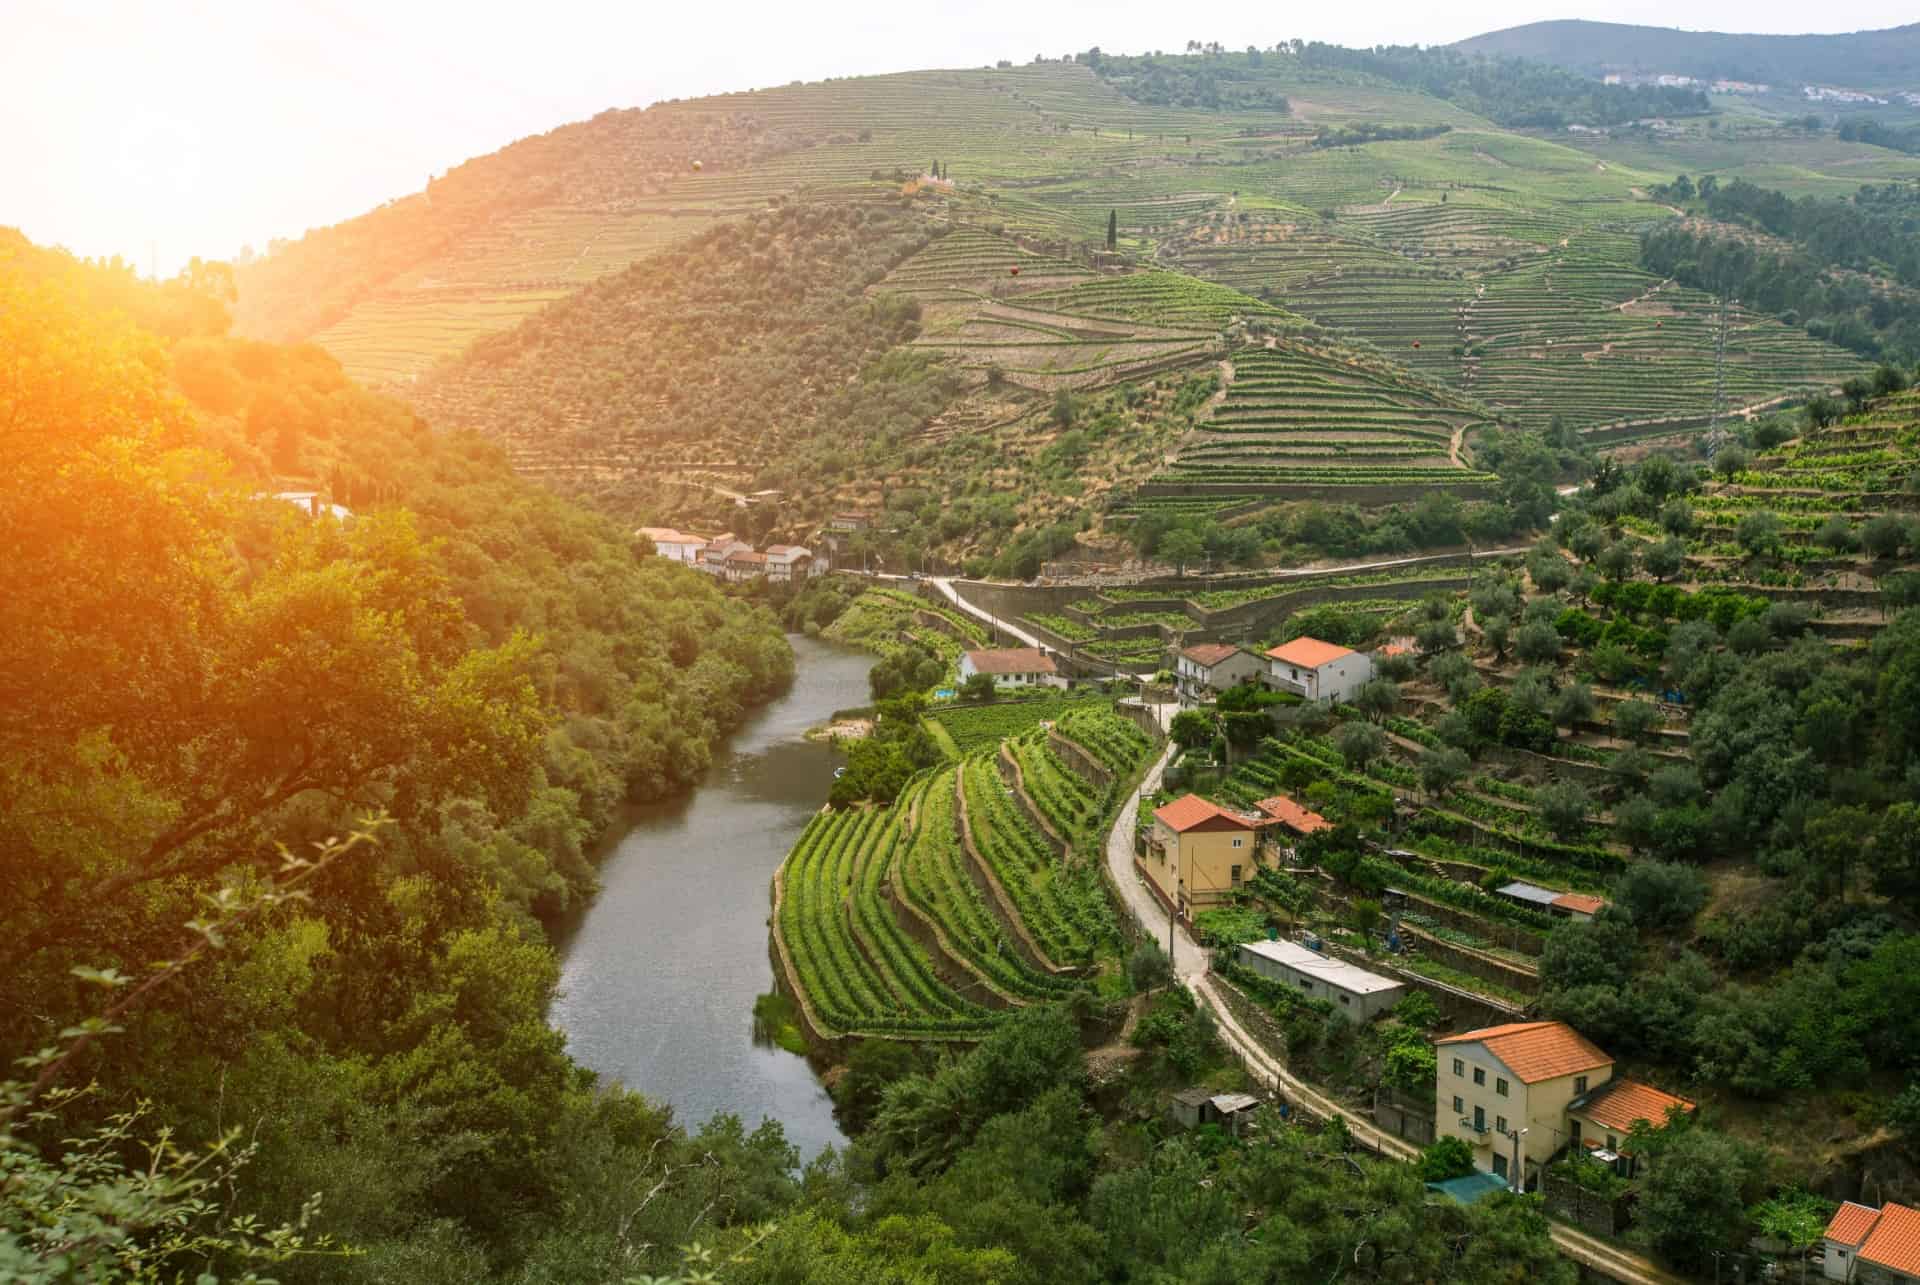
column 1402, row 1116
column 1382, row 493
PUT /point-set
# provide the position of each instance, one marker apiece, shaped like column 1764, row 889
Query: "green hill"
column 1866, row 59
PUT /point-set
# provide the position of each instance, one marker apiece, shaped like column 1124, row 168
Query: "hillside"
column 1863, row 59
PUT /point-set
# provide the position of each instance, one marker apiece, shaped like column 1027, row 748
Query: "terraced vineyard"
column 1300, row 419
column 923, row 919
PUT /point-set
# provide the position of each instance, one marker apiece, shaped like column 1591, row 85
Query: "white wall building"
column 1353, row 991
column 673, row 545
column 1012, row 667
column 1319, row 671
column 1205, row 670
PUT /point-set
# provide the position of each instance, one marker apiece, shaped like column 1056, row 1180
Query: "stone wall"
column 1403, row 1117
column 1584, row 1209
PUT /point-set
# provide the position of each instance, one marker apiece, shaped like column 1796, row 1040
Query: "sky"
column 162, row 129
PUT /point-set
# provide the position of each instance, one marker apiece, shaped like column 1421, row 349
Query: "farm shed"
column 1353, row 991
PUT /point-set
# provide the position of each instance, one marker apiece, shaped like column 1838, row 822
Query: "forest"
column 1848, row 270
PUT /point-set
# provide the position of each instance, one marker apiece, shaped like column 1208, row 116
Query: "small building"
column 1196, row 854
column 1353, row 991
column 1285, row 821
column 851, row 520
column 713, row 558
column 1507, row 1088
column 311, row 504
column 674, row 545
column 1878, row 1246
column 745, row 564
column 1600, row 1120
column 1564, row 905
column 788, row 562
column 1012, row 667
column 1191, row 1108
column 1204, row 670
column 1319, row 671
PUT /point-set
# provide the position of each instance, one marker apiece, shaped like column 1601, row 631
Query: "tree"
column 1191, row 728
column 1662, row 897
column 1573, row 704
column 1442, row 769
column 1759, row 533
column 1181, row 547
column 1616, row 560
column 1359, row 743
column 1496, row 630
column 1882, row 536
column 979, row 687
column 1835, row 534
column 1113, row 229
column 1795, row 1216
column 1728, row 461
column 1378, row 698
column 1694, row 1198
column 1537, row 643
column 1676, row 516
column 1665, row 558
column 1448, row 1157
column 1435, row 636
column 1550, row 574
column 1564, row 806
column 1635, row 720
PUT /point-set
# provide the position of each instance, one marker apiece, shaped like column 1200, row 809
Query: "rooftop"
column 1895, row 1240
column 1530, row 892
column 1335, row 972
column 1536, row 1051
column 668, row 535
column 1011, row 660
column 1209, row 654
column 1851, row 1223
column 1292, row 815
column 1580, row 903
column 1309, row 653
column 1620, row 1103
column 1191, row 810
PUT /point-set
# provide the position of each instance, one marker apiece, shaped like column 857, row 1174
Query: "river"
column 659, row 976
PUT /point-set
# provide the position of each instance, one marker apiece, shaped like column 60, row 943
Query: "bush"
column 1449, row 1157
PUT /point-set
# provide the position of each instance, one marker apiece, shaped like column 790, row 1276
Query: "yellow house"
column 1506, row 1090
column 1196, row 854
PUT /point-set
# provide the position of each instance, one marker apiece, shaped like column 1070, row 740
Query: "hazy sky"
column 193, row 128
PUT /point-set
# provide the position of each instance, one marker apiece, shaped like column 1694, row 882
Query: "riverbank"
column 660, row 975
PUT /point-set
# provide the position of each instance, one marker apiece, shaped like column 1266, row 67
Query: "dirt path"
column 1453, row 444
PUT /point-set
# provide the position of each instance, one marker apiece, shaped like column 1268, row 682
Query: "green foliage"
column 1448, row 1157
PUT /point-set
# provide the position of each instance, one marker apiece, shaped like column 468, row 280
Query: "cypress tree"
column 1113, row 228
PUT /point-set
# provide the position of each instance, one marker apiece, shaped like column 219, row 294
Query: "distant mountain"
column 1865, row 59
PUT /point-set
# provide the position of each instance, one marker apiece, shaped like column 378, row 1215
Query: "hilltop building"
column 1204, row 670
column 1318, row 671
column 1017, row 667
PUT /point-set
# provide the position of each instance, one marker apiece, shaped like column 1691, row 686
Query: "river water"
column 659, row 976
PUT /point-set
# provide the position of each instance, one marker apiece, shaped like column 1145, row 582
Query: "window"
column 1459, row 1067
column 1238, row 843
column 1479, row 1075
column 1573, row 1127
column 1500, row 1124
column 1236, row 869
column 1500, row 1086
column 1613, row 1143
column 1306, row 983
column 1579, row 1084
column 1459, row 1107
column 1345, row 1000
column 1499, row 1166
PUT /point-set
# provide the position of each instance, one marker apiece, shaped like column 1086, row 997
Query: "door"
column 1479, row 1119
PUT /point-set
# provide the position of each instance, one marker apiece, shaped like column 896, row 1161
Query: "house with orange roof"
column 1505, row 1091
column 1600, row 1121
column 1196, row 854
column 1204, row 670
column 1318, row 671
column 1016, row 667
column 674, row 545
column 1874, row 1246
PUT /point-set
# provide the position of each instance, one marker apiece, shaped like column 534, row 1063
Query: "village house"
column 746, row 564
column 851, row 520
column 788, row 562
column 1533, row 1089
column 311, row 504
column 713, row 558
column 673, row 545
column 1318, row 671
column 1284, row 821
column 1015, row 667
column 1196, row 853
column 1873, row 1246
column 1204, row 670
column 1354, row 992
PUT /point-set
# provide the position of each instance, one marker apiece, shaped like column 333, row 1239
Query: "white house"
column 1012, row 667
column 675, row 546
column 1876, row 1246
column 1353, row 991
column 788, row 562
column 713, row 558
column 1206, row 669
column 310, row 503
column 1319, row 671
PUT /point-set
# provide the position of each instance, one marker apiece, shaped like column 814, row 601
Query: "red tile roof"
column 1895, row 1240
column 1292, row 815
column 1537, row 1051
column 1209, row 654
column 1011, row 660
column 1619, row 1103
column 1580, row 903
column 1189, row 811
column 1309, row 653
column 1851, row 1223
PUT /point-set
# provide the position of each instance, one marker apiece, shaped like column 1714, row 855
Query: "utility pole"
column 1519, row 1179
